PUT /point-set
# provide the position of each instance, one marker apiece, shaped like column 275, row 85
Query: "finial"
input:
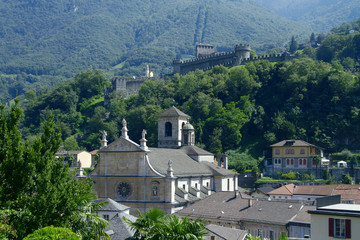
column 144, row 132
column 124, row 130
column 143, row 140
column 170, row 171
column 80, row 169
column 103, row 140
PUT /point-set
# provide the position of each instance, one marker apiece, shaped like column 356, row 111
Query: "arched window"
column 168, row 129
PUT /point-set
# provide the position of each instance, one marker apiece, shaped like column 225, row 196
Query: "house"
column 349, row 193
column 333, row 220
column 115, row 213
column 262, row 192
column 169, row 177
column 73, row 157
column 292, row 155
column 300, row 225
column 283, row 192
column 216, row 232
column 264, row 218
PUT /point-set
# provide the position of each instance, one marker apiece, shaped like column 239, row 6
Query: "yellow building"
column 292, row 155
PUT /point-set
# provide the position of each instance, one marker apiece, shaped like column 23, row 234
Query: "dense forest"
column 239, row 110
column 320, row 15
column 44, row 43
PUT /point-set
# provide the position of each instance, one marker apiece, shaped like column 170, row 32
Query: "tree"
column 316, row 161
column 38, row 190
column 312, row 37
column 293, row 45
column 347, row 179
column 53, row 233
column 154, row 225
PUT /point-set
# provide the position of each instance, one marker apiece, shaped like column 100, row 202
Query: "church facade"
column 169, row 177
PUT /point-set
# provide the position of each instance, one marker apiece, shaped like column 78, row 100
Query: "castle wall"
column 239, row 56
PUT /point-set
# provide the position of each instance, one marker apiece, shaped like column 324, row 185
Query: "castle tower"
column 242, row 52
column 188, row 135
column 170, row 124
column 203, row 50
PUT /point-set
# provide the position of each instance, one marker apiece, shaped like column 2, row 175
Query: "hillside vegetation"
column 320, row 15
column 44, row 42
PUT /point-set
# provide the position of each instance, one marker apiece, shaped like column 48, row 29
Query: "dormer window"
column 168, row 129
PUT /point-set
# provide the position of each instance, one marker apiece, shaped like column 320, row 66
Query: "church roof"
column 194, row 150
column 173, row 112
column 182, row 164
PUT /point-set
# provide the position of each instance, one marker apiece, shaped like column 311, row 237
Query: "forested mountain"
column 251, row 106
column 320, row 15
column 43, row 42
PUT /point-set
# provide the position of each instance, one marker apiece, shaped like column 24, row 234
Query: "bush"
column 53, row 233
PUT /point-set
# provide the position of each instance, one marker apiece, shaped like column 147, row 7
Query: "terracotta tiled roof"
column 287, row 190
column 318, row 190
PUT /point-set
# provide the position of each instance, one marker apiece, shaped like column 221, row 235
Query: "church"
column 169, row 177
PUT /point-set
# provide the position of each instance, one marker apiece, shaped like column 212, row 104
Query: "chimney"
column 250, row 202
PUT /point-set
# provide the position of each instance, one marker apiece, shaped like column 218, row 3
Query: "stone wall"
column 239, row 56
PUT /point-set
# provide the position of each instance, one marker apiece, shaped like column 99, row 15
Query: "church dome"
column 188, row 126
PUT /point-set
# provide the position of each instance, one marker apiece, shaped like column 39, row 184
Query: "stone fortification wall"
column 204, row 63
column 203, row 50
column 239, row 56
column 124, row 86
column 127, row 86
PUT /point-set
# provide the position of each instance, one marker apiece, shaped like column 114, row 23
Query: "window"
column 168, row 129
column 339, row 228
column 290, row 151
column 259, row 233
column 277, row 151
column 271, row 235
column 184, row 186
column 302, row 151
column 290, row 161
column 300, row 161
column 106, row 217
column 196, row 185
column 228, row 184
column 207, row 184
column 277, row 161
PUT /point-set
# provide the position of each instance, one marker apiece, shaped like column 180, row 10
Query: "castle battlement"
column 239, row 56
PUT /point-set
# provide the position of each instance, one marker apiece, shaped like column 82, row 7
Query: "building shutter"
column 331, row 227
column 347, row 228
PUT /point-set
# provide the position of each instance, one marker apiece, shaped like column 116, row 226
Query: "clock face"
column 124, row 190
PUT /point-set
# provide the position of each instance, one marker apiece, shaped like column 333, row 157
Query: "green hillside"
column 320, row 15
column 43, row 42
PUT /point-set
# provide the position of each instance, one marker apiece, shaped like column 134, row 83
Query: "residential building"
column 115, row 213
column 349, row 193
column 216, row 232
column 292, row 155
column 264, row 218
column 74, row 157
column 333, row 220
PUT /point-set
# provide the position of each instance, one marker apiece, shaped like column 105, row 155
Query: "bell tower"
column 170, row 124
